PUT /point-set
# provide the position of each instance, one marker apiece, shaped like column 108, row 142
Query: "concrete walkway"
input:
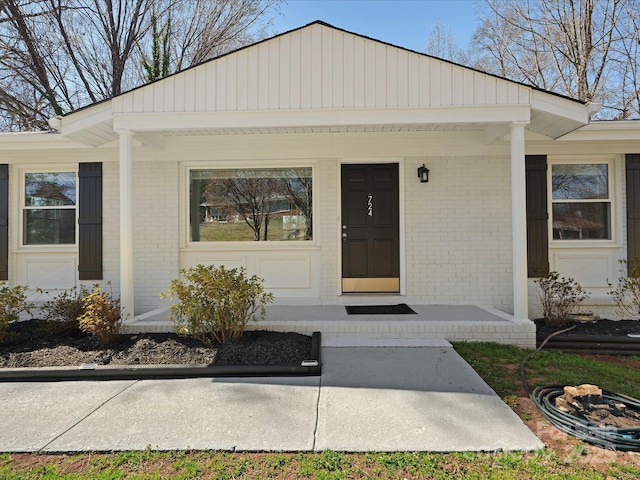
column 417, row 397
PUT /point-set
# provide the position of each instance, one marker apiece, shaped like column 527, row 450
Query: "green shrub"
column 102, row 316
column 63, row 311
column 626, row 294
column 13, row 301
column 216, row 302
column 559, row 297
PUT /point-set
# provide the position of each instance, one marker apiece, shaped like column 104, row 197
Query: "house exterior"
column 329, row 128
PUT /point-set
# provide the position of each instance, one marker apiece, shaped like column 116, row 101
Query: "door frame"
column 401, row 219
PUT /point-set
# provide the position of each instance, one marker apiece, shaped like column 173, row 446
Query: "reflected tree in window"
column 581, row 205
column 275, row 204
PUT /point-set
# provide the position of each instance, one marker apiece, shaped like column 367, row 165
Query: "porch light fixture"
column 423, row 174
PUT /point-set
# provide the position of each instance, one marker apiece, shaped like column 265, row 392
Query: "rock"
column 578, row 398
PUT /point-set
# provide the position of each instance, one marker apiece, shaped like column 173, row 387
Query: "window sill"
column 257, row 246
column 573, row 244
column 47, row 249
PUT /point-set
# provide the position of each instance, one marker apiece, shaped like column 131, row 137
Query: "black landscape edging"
column 309, row 367
column 596, row 344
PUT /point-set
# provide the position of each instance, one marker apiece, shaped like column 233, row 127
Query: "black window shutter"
column 537, row 216
column 633, row 206
column 90, row 221
column 4, row 222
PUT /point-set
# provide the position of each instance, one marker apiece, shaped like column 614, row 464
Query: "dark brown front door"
column 370, row 228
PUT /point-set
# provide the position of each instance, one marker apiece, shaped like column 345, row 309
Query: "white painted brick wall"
column 328, row 224
column 156, row 231
column 459, row 251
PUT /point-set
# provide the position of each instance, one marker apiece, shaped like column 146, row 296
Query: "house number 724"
column 370, row 205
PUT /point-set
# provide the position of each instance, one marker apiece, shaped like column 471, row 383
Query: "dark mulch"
column 36, row 343
column 603, row 327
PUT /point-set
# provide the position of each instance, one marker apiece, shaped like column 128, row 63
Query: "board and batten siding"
column 321, row 68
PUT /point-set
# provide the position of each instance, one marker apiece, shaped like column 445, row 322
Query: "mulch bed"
column 37, row 343
column 600, row 337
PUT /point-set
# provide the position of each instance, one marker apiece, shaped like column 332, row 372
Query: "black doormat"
column 400, row 309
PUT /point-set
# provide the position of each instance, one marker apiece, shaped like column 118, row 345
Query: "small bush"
column 63, row 311
column 102, row 316
column 216, row 302
column 13, row 301
column 626, row 293
column 559, row 296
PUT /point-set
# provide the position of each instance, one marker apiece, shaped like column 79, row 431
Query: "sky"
column 405, row 23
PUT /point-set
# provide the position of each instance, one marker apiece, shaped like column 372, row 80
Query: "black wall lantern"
column 423, row 174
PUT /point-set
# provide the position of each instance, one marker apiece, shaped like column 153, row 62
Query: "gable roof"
column 321, row 78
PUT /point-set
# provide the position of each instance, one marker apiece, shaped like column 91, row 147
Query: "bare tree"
column 59, row 55
column 579, row 48
column 442, row 44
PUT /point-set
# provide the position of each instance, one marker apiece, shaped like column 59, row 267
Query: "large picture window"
column 581, row 201
column 250, row 205
column 49, row 210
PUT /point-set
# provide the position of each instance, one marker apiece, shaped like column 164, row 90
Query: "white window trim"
column 244, row 245
column 612, row 184
column 21, row 207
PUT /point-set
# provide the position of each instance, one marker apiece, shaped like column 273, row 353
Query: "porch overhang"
column 100, row 127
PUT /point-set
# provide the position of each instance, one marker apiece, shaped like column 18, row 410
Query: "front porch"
column 456, row 323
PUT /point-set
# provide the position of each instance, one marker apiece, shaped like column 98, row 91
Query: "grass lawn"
column 564, row 458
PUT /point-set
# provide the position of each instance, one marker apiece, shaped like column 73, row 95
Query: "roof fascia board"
column 560, row 106
column 622, row 130
column 313, row 118
column 82, row 119
column 36, row 141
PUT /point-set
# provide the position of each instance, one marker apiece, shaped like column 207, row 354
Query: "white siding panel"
column 479, row 84
column 305, row 75
column 445, row 84
column 524, row 95
column 273, row 101
column 221, row 85
column 457, row 80
column 369, row 74
column 200, row 88
column 319, row 67
column 158, row 97
column 295, row 71
column 413, row 81
column 169, row 94
column 491, row 94
column 403, row 79
column 147, row 98
column 359, row 72
column 316, row 67
column 189, row 91
column 327, row 59
column 178, row 105
column 435, row 93
column 339, row 80
column 502, row 91
column 232, row 83
column 284, row 80
column 138, row 99
column 264, row 52
column 211, row 86
column 392, row 77
column 380, row 76
column 426, row 82
column 247, row 80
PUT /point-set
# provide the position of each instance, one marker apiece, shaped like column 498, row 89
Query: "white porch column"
column 519, row 222
column 126, row 223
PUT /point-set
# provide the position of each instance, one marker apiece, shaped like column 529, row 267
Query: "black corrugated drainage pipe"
column 624, row 439
column 310, row 367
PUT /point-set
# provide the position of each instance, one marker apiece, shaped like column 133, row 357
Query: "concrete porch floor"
column 449, row 322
